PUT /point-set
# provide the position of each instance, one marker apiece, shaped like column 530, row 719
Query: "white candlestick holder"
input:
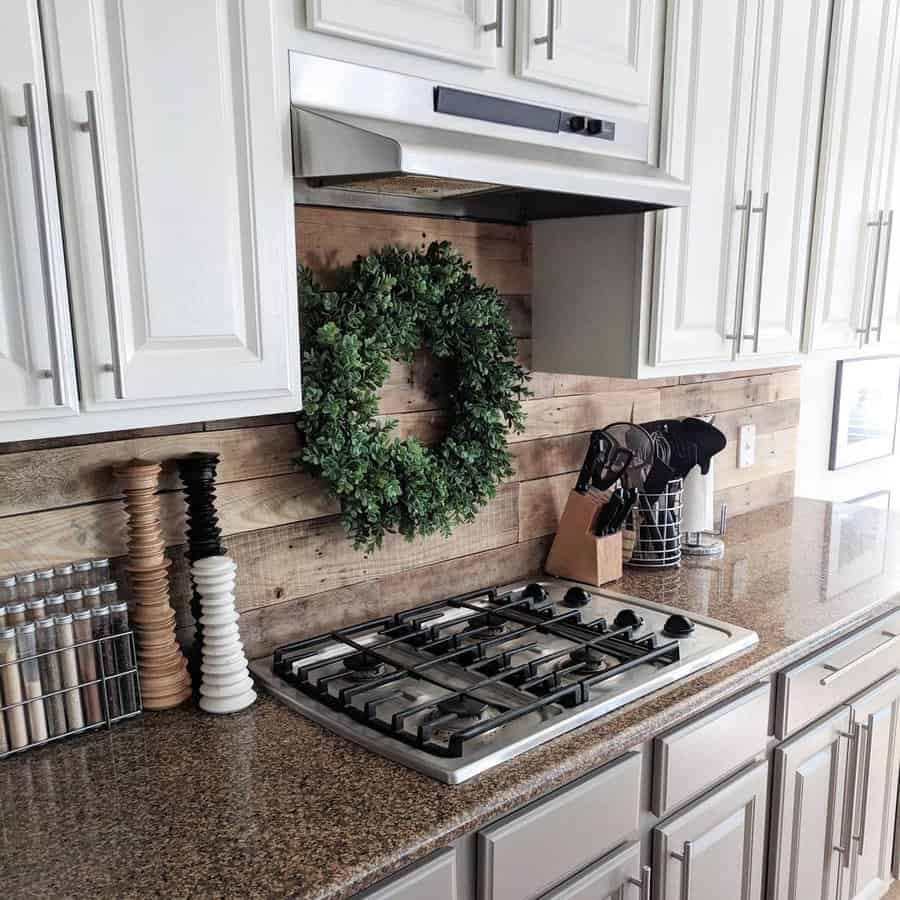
column 226, row 685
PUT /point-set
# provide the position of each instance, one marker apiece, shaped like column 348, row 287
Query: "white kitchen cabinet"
column 810, row 830
column 844, row 269
column 745, row 85
column 715, row 848
column 601, row 47
column 875, row 773
column 37, row 374
column 467, row 32
column 174, row 172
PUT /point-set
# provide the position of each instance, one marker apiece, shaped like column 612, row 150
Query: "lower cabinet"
column 715, row 848
column 618, row 876
column 434, row 879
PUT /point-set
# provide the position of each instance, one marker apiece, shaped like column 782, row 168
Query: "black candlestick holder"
column 204, row 537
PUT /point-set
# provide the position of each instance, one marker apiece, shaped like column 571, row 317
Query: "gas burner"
column 363, row 666
column 628, row 618
column 456, row 714
column 593, row 659
column 492, row 624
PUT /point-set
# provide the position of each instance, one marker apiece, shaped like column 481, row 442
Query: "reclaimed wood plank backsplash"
column 297, row 573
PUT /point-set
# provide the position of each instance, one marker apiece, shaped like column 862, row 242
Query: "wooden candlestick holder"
column 197, row 472
column 578, row 553
column 161, row 665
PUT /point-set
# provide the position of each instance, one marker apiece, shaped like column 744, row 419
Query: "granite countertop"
column 265, row 803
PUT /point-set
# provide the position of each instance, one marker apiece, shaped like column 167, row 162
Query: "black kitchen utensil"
column 608, row 514
column 599, row 447
column 609, row 469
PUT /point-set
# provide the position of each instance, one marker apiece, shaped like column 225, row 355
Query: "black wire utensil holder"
column 111, row 696
column 651, row 538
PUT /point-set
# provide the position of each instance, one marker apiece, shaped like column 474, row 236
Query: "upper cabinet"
column 744, row 88
column 172, row 165
column 465, row 32
column 853, row 224
column 601, row 47
column 37, row 380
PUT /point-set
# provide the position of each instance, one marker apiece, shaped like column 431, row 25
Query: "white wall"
column 813, row 478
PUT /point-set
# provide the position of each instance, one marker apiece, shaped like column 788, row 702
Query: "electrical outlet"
column 746, row 446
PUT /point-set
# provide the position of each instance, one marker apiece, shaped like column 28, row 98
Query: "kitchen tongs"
column 604, row 463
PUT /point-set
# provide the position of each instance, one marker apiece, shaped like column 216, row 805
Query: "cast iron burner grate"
column 483, row 641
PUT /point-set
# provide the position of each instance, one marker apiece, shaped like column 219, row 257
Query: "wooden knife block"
column 578, row 553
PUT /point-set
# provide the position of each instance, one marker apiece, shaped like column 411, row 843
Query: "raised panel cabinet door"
column 171, row 124
column 436, row 878
column 875, row 767
column 618, row 876
column 844, row 259
column 789, row 99
column 462, row 31
column 600, row 47
column 708, row 88
column 37, row 375
column 714, row 848
column 808, row 841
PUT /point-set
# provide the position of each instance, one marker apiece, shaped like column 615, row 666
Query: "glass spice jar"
column 63, row 578
column 15, row 614
column 51, row 676
column 43, row 582
column 99, row 571
column 124, row 654
column 7, row 590
column 11, row 680
column 101, row 631
column 87, row 666
column 65, row 638
column 35, row 609
column 91, row 596
column 55, row 605
column 26, row 648
column 74, row 600
column 82, row 573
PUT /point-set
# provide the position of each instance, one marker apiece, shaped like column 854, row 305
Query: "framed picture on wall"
column 864, row 421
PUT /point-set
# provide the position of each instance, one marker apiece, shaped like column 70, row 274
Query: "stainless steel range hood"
column 374, row 139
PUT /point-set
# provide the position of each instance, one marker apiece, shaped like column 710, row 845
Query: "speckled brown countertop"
column 266, row 804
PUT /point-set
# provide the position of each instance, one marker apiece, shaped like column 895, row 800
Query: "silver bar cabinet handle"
column 737, row 336
column 497, row 25
column 685, row 859
column 761, row 261
column 550, row 37
column 887, row 223
column 45, row 243
column 91, row 126
column 849, row 795
column 864, row 793
column 869, row 301
column 836, row 672
column 644, row 884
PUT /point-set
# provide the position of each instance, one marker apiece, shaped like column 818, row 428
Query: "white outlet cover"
column 746, row 446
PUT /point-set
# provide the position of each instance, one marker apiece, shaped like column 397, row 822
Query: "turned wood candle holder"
column 197, row 472
column 161, row 665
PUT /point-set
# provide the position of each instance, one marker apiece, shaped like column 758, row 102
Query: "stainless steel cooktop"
column 453, row 688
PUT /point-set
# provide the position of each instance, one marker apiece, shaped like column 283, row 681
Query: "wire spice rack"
column 83, row 704
column 651, row 539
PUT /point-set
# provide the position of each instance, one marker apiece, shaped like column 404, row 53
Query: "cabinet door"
column 714, row 849
column 843, row 272
column 786, row 130
column 876, row 773
column 463, row 31
column 602, row 47
column 615, row 877
column 808, row 822
column 171, row 123
column 37, row 377
column 709, row 72
column 436, row 878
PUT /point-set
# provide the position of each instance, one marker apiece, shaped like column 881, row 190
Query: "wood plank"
column 265, row 628
column 98, row 529
column 331, row 239
column 518, row 308
column 541, row 503
column 549, row 456
column 734, row 393
column 744, row 498
column 556, row 416
column 312, row 557
column 775, row 454
column 768, row 418
column 65, row 476
column 725, row 376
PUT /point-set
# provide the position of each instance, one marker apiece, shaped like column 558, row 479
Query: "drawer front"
column 821, row 682
column 435, row 878
column 695, row 756
column 529, row 852
column 605, row 880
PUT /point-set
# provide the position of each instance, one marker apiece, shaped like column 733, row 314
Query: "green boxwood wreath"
column 388, row 305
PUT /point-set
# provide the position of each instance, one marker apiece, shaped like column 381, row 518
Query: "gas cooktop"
column 455, row 687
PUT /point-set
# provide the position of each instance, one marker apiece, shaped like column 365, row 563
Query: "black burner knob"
column 678, row 625
column 627, row 618
column 577, row 596
column 537, row 594
column 577, row 123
